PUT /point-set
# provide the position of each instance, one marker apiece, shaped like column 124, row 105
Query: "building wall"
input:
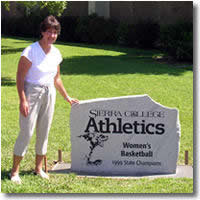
column 76, row 8
column 164, row 12
column 171, row 12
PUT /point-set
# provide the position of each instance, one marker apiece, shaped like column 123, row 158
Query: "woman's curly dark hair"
column 50, row 22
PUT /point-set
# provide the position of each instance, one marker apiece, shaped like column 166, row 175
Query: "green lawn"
column 89, row 72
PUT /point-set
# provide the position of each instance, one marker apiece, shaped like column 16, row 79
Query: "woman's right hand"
column 24, row 108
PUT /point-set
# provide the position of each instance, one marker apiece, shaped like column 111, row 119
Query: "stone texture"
column 130, row 135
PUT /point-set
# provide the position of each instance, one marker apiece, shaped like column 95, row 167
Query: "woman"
column 37, row 77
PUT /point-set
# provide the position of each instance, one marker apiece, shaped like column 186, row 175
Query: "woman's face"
column 50, row 35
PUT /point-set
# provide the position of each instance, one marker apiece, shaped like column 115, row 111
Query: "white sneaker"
column 42, row 174
column 15, row 179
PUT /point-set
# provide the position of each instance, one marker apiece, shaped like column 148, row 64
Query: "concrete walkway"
column 183, row 171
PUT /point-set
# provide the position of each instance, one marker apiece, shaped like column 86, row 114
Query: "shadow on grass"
column 11, row 51
column 131, row 61
column 124, row 64
column 5, row 174
column 7, row 81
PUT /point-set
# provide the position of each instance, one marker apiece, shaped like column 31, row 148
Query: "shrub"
column 102, row 30
column 5, row 26
column 144, row 34
column 177, row 40
column 28, row 26
column 81, row 32
column 122, row 33
column 25, row 26
column 110, row 31
column 96, row 30
column 68, row 28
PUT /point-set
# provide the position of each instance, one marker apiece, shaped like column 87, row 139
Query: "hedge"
column 176, row 40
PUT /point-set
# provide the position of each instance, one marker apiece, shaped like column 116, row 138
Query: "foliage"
column 25, row 26
column 81, row 32
column 122, row 33
column 143, row 34
column 96, row 30
column 68, row 26
column 54, row 7
column 177, row 40
column 34, row 12
column 102, row 30
column 6, row 5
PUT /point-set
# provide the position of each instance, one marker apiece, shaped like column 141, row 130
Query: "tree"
column 6, row 4
column 54, row 7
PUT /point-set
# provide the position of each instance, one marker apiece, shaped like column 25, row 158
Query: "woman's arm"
column 60, row 87
column 23, row 67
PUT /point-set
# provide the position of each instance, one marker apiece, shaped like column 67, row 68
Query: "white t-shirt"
column 44, row 66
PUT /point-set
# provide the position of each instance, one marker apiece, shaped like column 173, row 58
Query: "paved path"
column 183, row 171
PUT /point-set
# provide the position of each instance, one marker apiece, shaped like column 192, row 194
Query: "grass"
column 89, row 72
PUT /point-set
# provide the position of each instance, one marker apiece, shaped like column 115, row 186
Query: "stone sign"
column 130, row 135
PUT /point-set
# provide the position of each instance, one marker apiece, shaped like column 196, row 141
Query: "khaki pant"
column 41, row 101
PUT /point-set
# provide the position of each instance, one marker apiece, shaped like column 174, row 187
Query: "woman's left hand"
column 72, row 101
